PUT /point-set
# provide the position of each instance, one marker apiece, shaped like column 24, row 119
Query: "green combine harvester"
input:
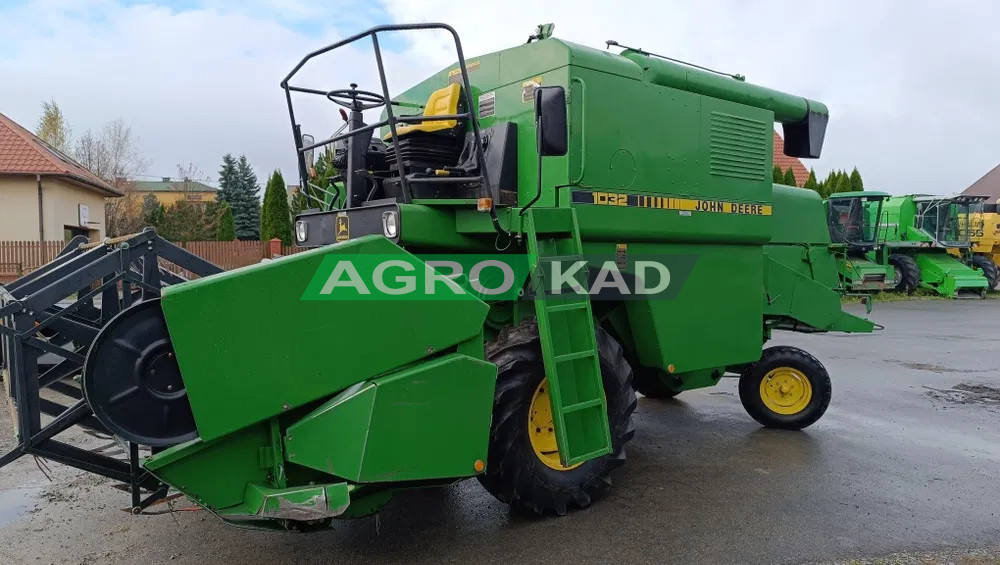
column 919, row 230
column 853, row 219
column 627, row 200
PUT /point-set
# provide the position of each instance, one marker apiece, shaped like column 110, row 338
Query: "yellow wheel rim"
column 541, row 431
column 786, row 391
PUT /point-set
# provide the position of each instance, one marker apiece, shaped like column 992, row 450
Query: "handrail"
column 391, row 119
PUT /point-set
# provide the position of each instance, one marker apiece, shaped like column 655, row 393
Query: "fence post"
column 274, row 248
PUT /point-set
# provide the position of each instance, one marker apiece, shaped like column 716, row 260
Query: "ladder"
column 568, row 338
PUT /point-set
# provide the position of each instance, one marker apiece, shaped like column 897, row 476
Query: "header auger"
column 657, row 175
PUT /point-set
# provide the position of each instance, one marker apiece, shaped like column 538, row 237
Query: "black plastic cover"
column 805, row 139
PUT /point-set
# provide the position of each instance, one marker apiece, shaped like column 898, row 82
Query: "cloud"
column 194, row 82
column 911, row 85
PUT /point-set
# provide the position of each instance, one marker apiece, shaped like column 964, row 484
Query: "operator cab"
column 853, row 219
column 949, row 220
column 430, row 151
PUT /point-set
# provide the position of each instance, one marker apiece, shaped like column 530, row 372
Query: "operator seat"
column 425, row 147
column 442, row 102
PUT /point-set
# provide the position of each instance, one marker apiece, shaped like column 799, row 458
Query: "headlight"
column 301, row 231
column 389, row 227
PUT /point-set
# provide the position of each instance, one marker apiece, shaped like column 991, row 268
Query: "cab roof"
column 859, row 194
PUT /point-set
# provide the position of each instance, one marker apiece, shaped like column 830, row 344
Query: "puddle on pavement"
column 964, row 393
column 16, row 503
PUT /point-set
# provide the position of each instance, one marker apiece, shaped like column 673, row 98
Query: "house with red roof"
column 45, row 195
column 988, row 185
column 784, row 161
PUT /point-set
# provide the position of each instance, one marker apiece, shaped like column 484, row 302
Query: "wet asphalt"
column 906, row 459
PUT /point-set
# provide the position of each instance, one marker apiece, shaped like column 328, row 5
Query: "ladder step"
column 582, row 405
column 573, row 356
column 574, row 257
column 592, row 454
column 566, row 307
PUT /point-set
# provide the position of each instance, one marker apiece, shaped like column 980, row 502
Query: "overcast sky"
column 913, row 87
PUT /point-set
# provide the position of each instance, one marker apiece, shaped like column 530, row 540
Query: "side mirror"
column 550, row 120
column 307, row 140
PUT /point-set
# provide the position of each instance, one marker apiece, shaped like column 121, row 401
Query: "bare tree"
column 192, row 172
column 113, row 154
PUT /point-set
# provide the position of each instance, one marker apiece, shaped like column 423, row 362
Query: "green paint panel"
column 721, row 291
column 801, row 273
column 215, row 474
column 249, row 348
column 858, row 273
column 948, row 275
column 428, row 421
column 799, row 217
column 801, row 285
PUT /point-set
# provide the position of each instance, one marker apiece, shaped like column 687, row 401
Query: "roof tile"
column 784, row 161
column 988, row 185
column 22, row 152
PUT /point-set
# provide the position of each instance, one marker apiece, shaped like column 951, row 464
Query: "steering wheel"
column 355, row 99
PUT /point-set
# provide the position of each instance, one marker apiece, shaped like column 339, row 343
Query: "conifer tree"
column 276, row 218
column 811, row 183
column 245, row 202
column 856, row 183
column 227, row 179
column 226, row 230
column 777, row 175
column 789, row 178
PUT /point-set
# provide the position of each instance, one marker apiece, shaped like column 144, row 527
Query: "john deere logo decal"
column 343, row 228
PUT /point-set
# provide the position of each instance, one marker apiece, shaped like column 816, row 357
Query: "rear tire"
column 514, row 474
column 989, row 269
column 907, row 272
column 764, row 395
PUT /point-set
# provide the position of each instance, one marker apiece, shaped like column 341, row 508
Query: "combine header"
column 624, row 203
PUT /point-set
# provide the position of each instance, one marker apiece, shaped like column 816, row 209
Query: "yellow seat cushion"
column 441, row 102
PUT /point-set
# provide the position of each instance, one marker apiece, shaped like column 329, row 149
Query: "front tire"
column 516, row 472
column 907, row 272
column 787, row 389
column 989, row 269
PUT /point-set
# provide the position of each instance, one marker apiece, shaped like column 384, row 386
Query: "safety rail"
column 385, row 100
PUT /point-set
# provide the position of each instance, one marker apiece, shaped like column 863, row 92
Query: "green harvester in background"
column 853, row 220
column 918, row 231
column 548, row 151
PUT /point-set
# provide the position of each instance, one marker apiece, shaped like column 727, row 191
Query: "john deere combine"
column 626, row 199
column 919, row 230
column 853, row 219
